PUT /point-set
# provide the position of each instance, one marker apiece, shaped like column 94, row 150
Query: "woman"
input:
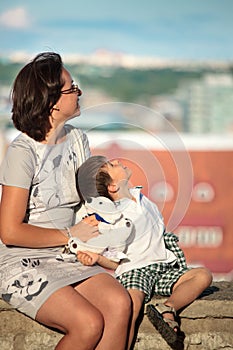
column 37, row 208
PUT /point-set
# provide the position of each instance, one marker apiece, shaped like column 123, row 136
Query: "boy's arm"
column 107, row 263
column 90, row 258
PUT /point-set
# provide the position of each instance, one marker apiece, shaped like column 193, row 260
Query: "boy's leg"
column 140, row 285
column 137, row 297
column 188, row 287
column 184, row 291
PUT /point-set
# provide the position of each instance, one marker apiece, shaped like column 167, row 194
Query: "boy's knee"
column 208, row 275
column 205, row 276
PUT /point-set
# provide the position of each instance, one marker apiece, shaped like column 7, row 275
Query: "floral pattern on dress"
column 27, row 285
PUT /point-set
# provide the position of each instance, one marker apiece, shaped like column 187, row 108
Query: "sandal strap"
column 171, row 323
column 162, row 309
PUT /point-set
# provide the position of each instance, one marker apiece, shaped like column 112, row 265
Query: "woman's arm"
column 13, row 231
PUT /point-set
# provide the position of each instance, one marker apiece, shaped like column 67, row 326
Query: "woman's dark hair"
column 92, row 179
column 36, row 89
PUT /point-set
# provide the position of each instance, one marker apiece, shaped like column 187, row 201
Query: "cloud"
column 16, row 18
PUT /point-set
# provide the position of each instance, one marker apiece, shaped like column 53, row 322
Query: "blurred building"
column 207, row 104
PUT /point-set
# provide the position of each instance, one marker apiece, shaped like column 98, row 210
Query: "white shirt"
column 145, row 245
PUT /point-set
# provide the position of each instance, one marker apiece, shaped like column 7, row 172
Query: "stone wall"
column 207, row 324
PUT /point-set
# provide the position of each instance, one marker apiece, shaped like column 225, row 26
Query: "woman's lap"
column 97, row 296
column 26, row 284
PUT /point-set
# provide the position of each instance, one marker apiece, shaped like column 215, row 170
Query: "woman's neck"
column 55, row 135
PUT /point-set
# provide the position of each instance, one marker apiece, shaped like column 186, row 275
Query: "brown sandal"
column 164, row 326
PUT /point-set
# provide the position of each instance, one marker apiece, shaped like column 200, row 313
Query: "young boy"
column 155, row 264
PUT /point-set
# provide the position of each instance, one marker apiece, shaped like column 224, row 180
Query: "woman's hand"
column 87, row 258
column 85, row 229
column 91, row 220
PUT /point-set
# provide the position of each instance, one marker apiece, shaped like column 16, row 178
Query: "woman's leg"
column 71, row 313
column 137, row 298
column 114, row 303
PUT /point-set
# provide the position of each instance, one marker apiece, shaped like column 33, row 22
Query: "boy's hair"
column 92, row 179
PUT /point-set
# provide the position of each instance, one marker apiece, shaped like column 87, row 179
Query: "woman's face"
column 68, row 103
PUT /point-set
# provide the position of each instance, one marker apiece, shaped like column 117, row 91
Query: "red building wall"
column 194, row 192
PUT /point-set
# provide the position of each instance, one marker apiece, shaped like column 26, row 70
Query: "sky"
column 171, row 29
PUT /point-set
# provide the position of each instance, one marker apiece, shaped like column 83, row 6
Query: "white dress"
column 29, row 276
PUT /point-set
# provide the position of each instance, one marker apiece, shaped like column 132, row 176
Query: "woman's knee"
column 94, row 327
column 122, row 304
column 90, row 329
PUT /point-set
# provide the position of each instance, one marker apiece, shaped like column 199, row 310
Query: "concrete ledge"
column 207, row 324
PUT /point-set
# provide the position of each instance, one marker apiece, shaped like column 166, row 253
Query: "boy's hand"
column 87, row 258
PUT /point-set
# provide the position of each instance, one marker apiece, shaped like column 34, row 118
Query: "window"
column 203, row 192
column 162, row 192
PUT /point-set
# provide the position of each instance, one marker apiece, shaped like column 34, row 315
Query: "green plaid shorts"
column 155, row 279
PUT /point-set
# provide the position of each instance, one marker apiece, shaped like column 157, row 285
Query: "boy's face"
column 118, row 171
